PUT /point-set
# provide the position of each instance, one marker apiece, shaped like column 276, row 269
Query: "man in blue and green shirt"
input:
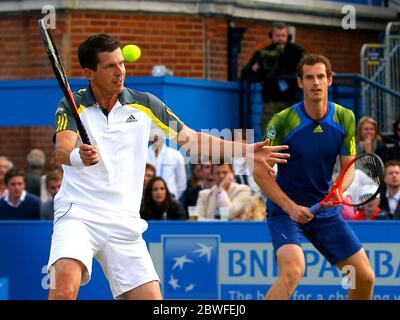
column 317, row 131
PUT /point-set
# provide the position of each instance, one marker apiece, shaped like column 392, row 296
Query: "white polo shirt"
column 116, row 182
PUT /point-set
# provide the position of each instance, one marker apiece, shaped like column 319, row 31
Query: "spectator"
column 370, row 210
column 5, row 165
column 44, row 194
column 159, row 204
column 149, row 173
column 226, row 193
column 36, row 160
column 169, row 164
column 53, row 183
column 194, row 185
column 390, row 198
column 393, row 152
column 206, row 166
column 274, row 65
column 368, row 138
column 243, row 170
column 18, row 204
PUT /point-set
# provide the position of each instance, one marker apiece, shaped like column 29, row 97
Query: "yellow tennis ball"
column 131, row 52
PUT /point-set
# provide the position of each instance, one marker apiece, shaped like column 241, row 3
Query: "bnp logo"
column 186, row 260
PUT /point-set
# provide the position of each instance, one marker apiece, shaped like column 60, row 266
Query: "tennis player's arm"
column 205, row 145
column 344, row 160
column 65, row 139
column 202, row 144
column 272, row 190
column 65, row 144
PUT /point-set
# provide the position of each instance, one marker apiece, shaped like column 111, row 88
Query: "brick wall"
column 22, row 55
column 191, row 46
column 16, row 142
column 175, row 41
column 217, row 48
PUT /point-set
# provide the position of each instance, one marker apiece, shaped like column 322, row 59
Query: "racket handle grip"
column 315, row 208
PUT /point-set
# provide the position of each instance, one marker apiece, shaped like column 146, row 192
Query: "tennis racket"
column 360, row 182
column 60, row 74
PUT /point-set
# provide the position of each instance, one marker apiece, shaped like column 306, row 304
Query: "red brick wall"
column 21, row 51
column 175, row 41
column 217, row 44
column 16, row 142
column 183, row 43
column 191, row 46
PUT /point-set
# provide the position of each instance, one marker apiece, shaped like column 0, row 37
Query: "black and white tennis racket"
column 60, row 74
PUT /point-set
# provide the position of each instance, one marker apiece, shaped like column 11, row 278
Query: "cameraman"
column 272, row 65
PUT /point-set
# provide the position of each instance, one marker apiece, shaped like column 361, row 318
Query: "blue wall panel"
column 240, row 263
column 200, row 104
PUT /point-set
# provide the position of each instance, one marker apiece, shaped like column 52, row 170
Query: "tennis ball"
column 131, row 52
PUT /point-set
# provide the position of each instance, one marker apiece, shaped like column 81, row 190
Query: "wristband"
column 75, row 159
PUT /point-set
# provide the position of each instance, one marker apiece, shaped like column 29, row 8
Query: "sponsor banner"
column 210, row 260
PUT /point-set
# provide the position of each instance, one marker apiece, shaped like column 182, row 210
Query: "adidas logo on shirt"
column 318, row 129
column 131, row 118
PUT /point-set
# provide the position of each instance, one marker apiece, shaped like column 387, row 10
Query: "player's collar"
column 88, row 99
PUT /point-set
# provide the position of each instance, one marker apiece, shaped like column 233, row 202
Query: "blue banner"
column 204, row 260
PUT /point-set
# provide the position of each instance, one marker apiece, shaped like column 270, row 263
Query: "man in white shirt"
column 390, row 198
column 170, row 165
column 97, row 207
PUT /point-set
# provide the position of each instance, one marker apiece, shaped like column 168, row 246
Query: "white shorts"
column 114, row 240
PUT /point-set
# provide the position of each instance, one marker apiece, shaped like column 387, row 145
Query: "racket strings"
column 362, row 180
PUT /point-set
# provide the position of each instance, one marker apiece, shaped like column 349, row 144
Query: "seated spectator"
column 370, row 210
column 150, row 173
column 53, row 183
column 18, row 204
column 206, row 166
column 393, row 152
column 391, row 196
column 36, row 160
column 194, row 185
column 226, row 193
column 169, row 164
column 159, row 203
column 5, row 165
column 44, row 194
column 243, row 170
column 368, row 138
